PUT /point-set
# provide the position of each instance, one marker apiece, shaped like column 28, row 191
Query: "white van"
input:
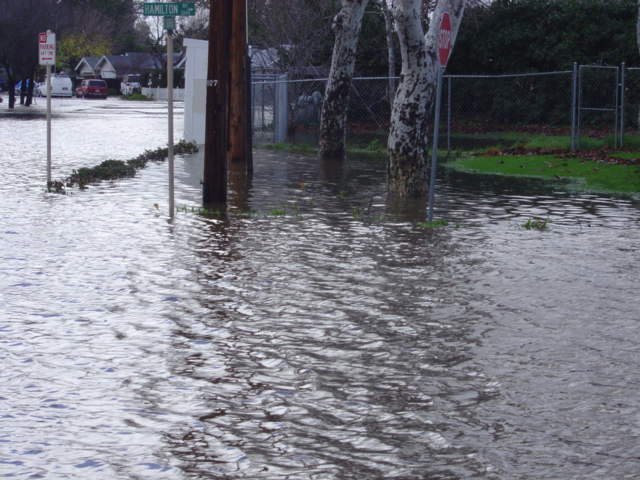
column 61, row 86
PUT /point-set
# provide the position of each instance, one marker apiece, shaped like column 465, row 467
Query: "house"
column 114, row 68
column 86, row 67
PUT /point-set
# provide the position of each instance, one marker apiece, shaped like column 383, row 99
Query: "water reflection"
column 322, row 336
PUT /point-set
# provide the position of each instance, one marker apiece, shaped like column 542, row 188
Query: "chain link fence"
column 588, row 101
column 479, row 109
column 630, row 111
column 289, row 110
column 598, row 101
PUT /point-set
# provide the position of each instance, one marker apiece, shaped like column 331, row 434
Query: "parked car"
column 92, row 88
column 61, row 86
column 130, row 84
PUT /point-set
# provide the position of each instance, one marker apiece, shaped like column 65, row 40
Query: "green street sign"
column 174, row 9
column 169, row 23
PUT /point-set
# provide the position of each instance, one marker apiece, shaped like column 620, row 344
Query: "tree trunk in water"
column 12, row 90
column 414, row 97
column 30, row 88
column 333, row 118
column 407, row 135
column 23, row 90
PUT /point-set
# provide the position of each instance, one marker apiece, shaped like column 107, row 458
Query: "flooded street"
column 311, row 333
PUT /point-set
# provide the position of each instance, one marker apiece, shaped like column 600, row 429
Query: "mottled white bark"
column 333, row 117
column 406, row 168
column 415, row 94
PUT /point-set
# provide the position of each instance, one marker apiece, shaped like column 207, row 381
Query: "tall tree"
column 546, row 35
column 414, row 97
column 300, row 30
column 20, row 23
column 22, row 20
column 333, row 117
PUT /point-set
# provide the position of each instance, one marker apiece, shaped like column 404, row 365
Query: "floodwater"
column 314, row 332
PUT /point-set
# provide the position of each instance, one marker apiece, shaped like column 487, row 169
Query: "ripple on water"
column 335, row 341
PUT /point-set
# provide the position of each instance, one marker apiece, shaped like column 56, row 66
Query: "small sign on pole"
column 169, row 23
column 47, row 48
column 47, row 57
column 444, row 51
column 444, row 40
column 169, row 11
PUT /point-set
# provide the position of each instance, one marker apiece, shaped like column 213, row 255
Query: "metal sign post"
column 47, row 57
column 170, row 101
column 434, row 152
column 444, row 51
column 169, row 11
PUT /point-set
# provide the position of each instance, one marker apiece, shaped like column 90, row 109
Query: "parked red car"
column 92, row 88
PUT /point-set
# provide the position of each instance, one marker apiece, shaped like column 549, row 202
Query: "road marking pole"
column 169, row 10
column 47, row 58
column 48, row 125
column 434, row 152
column 170, row 102
column 443, row 52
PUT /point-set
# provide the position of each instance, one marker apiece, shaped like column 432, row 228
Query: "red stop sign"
column 444, row 40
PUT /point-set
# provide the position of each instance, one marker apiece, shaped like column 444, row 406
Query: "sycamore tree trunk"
column 407, row 172
column 333, row 118
column 406, row 168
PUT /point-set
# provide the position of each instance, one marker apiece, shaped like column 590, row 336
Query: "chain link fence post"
column 449, row 94
column 622, row 100
column 574, row 106
column 616, row 113
column 579, row 107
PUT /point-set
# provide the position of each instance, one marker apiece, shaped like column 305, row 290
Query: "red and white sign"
column 47, row 48
column 444, row 40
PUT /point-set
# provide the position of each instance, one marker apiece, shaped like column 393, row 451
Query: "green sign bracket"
column 169, row 23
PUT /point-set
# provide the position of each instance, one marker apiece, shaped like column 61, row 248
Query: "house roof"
column 136, row 62
column 89, row 61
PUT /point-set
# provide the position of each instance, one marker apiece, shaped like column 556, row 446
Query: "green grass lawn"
column 532, row 155
column 531, row 141
column 583, row 175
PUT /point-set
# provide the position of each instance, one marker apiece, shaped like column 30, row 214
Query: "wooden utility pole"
column 214, row 185
column 240, row 128
column 228, row 128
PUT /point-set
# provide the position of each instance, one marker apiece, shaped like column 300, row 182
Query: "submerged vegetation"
column 375, row 147
column 137, row 97
column 113, row 169
column 439, row 223
column 535, row 223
